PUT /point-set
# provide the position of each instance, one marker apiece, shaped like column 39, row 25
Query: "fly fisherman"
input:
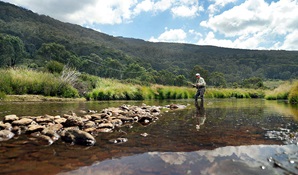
column 200, row 85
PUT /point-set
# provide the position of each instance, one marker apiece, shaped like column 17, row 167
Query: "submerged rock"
column 76, row 136
column 6, row 135
column 79, row 129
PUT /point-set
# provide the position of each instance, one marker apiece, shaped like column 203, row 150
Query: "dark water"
column 222, row 137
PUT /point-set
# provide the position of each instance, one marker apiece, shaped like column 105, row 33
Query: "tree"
column 217, row 79
column 180, row 80
column 254, row 82
column 198, row 69
column 12, row 50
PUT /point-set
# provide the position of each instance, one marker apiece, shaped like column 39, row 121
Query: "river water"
column 220, row 136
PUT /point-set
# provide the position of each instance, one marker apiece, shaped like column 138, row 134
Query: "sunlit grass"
column 293, row 95
column 19, row 81
column 281, row 92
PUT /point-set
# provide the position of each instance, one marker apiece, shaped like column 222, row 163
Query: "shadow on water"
column 225, row 136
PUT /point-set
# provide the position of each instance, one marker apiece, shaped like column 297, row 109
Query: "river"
column 220, row 136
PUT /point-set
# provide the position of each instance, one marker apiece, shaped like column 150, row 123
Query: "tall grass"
column 236, row 93
column 108, row 89
column 293, row 95
column 20, row 81
column 114, row 90
column 280, row 93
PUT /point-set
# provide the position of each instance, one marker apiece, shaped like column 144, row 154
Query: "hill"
column 39, row 42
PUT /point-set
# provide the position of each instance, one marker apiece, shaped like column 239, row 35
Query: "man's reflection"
column 200, row 114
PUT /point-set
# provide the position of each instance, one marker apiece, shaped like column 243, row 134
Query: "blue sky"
column 246, row 24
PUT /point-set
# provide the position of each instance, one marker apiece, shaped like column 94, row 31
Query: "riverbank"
column 21, row 84
column 37, row 98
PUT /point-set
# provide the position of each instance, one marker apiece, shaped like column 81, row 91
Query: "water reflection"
column 206, row 138
column 228, row 160
column 200, row 114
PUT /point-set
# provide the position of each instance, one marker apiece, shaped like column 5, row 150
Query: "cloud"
column 186, row 8
column 291, row 41
column 172, row 35
column 85, row 12
column 217, row 5
column 258, row 22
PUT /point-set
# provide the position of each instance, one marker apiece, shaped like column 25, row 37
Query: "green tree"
column 180, row 80
column 12, row 50
column 217, row 79
column 54, row 67
column 198, row 69
column 253, row 82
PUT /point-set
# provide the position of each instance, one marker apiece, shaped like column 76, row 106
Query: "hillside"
column 33, row 40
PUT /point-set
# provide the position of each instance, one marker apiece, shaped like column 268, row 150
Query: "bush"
column 2, row 95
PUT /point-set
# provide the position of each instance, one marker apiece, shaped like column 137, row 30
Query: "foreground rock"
column 79, row 129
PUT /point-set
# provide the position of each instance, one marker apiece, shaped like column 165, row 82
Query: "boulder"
column 6, row 135
column 5, row 126
column 22, row 122
column 76, row 136
column 34, row 128
column 73, row 121
column 10, row 118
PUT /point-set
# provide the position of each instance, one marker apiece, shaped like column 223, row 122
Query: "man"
column 200, row 85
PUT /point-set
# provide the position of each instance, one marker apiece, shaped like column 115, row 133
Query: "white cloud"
column 186, row 8
column 185, row 11
column 85, row 12
column 291, row 41
column 261, row 21
column 172, row 35
column 217, row 5
column 146, row 5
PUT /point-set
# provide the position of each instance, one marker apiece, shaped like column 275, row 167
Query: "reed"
column 236, row 93
column 293, row 95
column 280, row 93
column 19, row 81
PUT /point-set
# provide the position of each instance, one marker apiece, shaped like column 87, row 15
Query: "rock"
column 60, row 120
column 125, row 119
column 73, row 121
column 45, row 140
column 106, row 125
column 76, row 136
column 44, row 119
column 116, row 122
column 144, row 134
column 16, row 130
column 10, row 118
column 34, row 128
column 22, row 122
column 155, row 110
column 6, row 135
column 118, row 140
column 51, row 133
column 5, row 126
column 89, row 124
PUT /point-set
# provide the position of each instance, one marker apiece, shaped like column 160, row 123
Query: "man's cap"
column 197, row 74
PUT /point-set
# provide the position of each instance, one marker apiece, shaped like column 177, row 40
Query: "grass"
column 293, row 95
column 281, row 92
column 19, row 81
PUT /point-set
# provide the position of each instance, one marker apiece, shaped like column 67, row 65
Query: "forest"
column 42, row 43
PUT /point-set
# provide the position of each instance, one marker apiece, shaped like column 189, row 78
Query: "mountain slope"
column 118, row 54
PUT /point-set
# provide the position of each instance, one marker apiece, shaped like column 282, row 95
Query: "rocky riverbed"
column 75, row 129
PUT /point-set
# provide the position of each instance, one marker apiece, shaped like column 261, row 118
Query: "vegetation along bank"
column 71, row 84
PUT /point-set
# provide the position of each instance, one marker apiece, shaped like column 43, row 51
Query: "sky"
column 244, row 24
